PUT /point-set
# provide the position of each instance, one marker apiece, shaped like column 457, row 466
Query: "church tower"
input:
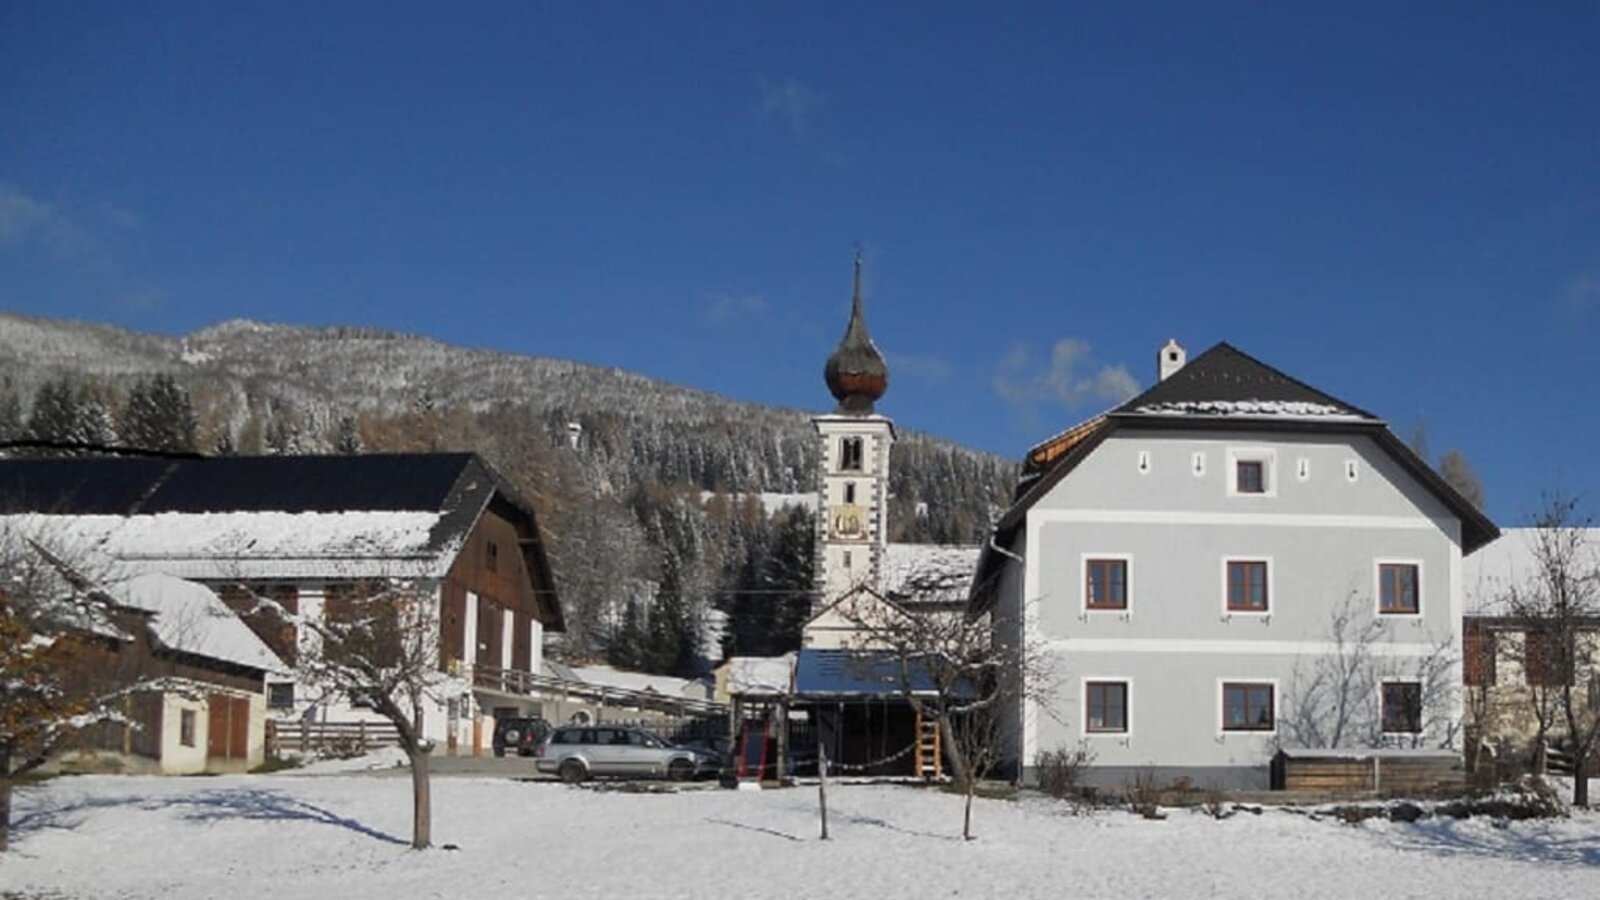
column 853, row 484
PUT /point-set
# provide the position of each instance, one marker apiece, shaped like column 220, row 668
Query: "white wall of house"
column 1164, row 503
column 180, row 757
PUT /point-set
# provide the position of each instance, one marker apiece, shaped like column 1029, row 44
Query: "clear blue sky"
column 1399, row 203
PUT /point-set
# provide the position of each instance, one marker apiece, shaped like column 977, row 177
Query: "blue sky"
column 1399, row 203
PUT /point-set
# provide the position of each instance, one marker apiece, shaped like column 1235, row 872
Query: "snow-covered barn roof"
column 1488, row 575
column 928, row 573
column 665, row 685
column 191, row 619
column 271, row 517
column 760, row 676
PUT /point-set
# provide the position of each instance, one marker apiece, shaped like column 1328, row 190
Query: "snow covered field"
column 342, row 836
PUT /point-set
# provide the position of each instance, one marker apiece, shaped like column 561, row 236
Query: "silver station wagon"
column 577, row 752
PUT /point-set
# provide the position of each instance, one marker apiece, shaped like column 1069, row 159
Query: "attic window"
column 1250, row 477
column 850, row 493
column 491, row 556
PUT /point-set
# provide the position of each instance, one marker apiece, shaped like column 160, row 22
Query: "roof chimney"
column 1170, row 359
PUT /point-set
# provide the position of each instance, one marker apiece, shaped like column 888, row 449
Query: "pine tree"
column 346, row 436
column 159, row 416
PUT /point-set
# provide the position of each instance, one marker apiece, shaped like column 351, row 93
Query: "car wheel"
column 573, row 771
column 680, row 770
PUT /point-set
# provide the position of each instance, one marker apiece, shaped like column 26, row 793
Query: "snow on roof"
column 1255, row 409
column 190, row 618
column 760, row 675
column 1490, row 572
column 218, row 546
column 666, row 685
column 928, row 573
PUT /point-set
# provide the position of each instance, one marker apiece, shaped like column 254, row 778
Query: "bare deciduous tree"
column 377, row 646
column 1334, row 698
column 956, row 671
column 1559, row 602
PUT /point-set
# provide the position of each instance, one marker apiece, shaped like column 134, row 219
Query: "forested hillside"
column 647, row 490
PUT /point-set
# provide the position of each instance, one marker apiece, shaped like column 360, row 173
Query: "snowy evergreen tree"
column 346, row 436
column 159, row 416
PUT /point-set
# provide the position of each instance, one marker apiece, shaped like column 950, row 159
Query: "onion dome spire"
column 856, row 373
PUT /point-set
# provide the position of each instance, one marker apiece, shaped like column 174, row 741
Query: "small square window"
column 1106, row 584
column 1250, row 476
column 1106, row 703
column 186, row 727
column 1398, row 592
column 1247, row 586
column 1402, row 707
column 1248, row 707
column 280, row 695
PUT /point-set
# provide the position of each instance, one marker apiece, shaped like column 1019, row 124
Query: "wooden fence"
column 1377, row 772
column 328, row 738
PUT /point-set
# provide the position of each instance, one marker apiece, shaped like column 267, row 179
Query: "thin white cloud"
column 790, row 101
column 24, row 218
column 724, row 307
column 1583, row 293
column 1069, row 377
column 928, row 368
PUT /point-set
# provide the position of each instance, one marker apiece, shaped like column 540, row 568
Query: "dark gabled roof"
column 137, row 486
column 1227, row 381
column 458, row 486
column 1222, row 388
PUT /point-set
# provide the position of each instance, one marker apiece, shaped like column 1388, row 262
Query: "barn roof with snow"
column 187, row 617
column 270, row 517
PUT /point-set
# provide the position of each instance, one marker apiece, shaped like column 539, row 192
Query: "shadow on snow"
column 251, row 804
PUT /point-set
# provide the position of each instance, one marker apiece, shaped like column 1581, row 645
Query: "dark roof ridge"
column 1202, row 369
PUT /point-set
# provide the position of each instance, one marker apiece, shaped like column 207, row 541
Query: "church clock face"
column 847, row 521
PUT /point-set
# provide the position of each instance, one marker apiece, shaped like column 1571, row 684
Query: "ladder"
column 930, row 758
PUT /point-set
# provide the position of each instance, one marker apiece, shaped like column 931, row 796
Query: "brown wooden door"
column 227, row 727
column 239, row 728
column 217, row 715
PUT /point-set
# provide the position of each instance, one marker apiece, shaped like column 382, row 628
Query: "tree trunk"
column 966, row 824
column 5, row 798
column 421, row 802
column 1580, row 780
column 959, row 770
column 5, row 811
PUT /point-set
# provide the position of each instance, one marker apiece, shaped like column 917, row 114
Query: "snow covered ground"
column 343, row 836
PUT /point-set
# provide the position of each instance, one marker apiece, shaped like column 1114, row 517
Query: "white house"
column 1191, row 561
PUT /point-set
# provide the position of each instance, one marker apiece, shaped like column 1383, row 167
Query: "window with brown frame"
column 1402, row 707
column 1248, row 706
column 1543, row 662
column 1106, row 583
column 1478, row 656
column 1247, row 586
column 1250, row 476
column 1397, row 589
column 1106, row 703
column 491, row 556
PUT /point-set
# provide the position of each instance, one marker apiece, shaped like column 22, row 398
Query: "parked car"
column 522, row 735
column 577, row 752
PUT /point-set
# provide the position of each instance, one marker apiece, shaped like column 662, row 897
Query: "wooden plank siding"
column 492, row 564
column 1339, row 774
